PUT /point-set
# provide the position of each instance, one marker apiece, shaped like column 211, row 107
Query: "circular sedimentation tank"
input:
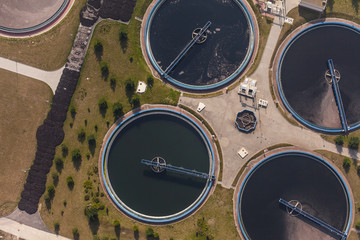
column 217, row 58
column 304, row 80
column 26, row 17
column 304, row 180
column 152, row 194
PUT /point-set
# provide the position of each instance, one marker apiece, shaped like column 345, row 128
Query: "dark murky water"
column 157, row 194
column 292, row 177
column 207, row 63
column 303, row 69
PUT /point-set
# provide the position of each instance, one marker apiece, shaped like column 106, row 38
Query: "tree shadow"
column 76, row 236
column 103, row 111
column 48, row 204
column 77, row 163
column 98, row 55
column 92, row 147
column 94, row 225
column 339, row 148
column 355, row 4
column 57, row 229
column 353, row 153
column 117, row 231
column 136, row 235
column 71, row 185
column 129, row 94
column 330, row 3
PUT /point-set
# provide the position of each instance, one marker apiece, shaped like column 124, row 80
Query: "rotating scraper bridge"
column 159, row 166
column 312, row 218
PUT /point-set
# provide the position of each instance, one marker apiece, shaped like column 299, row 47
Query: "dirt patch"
column 8, row 236
column 23, row 107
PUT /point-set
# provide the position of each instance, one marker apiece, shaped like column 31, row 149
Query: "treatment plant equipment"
column 318, row 201
column 140, row 191
column 317, row 82
column 197, row 57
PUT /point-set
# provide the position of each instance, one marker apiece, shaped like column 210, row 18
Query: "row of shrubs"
column 353, row 142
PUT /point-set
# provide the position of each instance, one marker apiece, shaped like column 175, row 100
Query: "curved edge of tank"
column 39, row 28
column 162, row 219
column 254, row 168
column 279, row 85
column 211, row 86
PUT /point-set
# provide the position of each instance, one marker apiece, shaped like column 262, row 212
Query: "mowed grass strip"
column 49, row 50
column 23, row 108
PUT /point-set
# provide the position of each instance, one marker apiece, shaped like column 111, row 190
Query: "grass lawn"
column 22, row 110
column 49, row 50
column 354, row 181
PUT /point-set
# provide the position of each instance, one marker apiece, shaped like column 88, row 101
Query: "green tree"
column 70, row 182
column 76, row 155
column 64, row 150
column 57, row 227
column 55, row 178
column 91, row 140
column 346, row 163
column 103, row 106
column 150, row 81
column 123, row 37
column 354, row 143
column 81, row 135
column 357, row 225
column 135, row 101
column 113, row 83
column 129, row 85
column 72, row 111
column 76, row 233
column 59, row 164
column 104, row 70
column 149, row 232
column 91, row 212
column 51, row 191
column 339, row 140
column 98, row 49
column 117, row 110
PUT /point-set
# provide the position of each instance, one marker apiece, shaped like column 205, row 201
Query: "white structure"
column 141, row 88
column 243, row 153
column 317, row 5
column 263, row 103
column 248, row 88
column 200, row 107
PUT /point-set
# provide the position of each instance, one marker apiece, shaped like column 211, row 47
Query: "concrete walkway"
column 23, row 231
column 272, row 127
column 50, row 78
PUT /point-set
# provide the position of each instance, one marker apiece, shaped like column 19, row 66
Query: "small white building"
column 248, row 88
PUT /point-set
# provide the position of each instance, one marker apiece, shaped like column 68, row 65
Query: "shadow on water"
column 312, row 224
column 180, row 179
